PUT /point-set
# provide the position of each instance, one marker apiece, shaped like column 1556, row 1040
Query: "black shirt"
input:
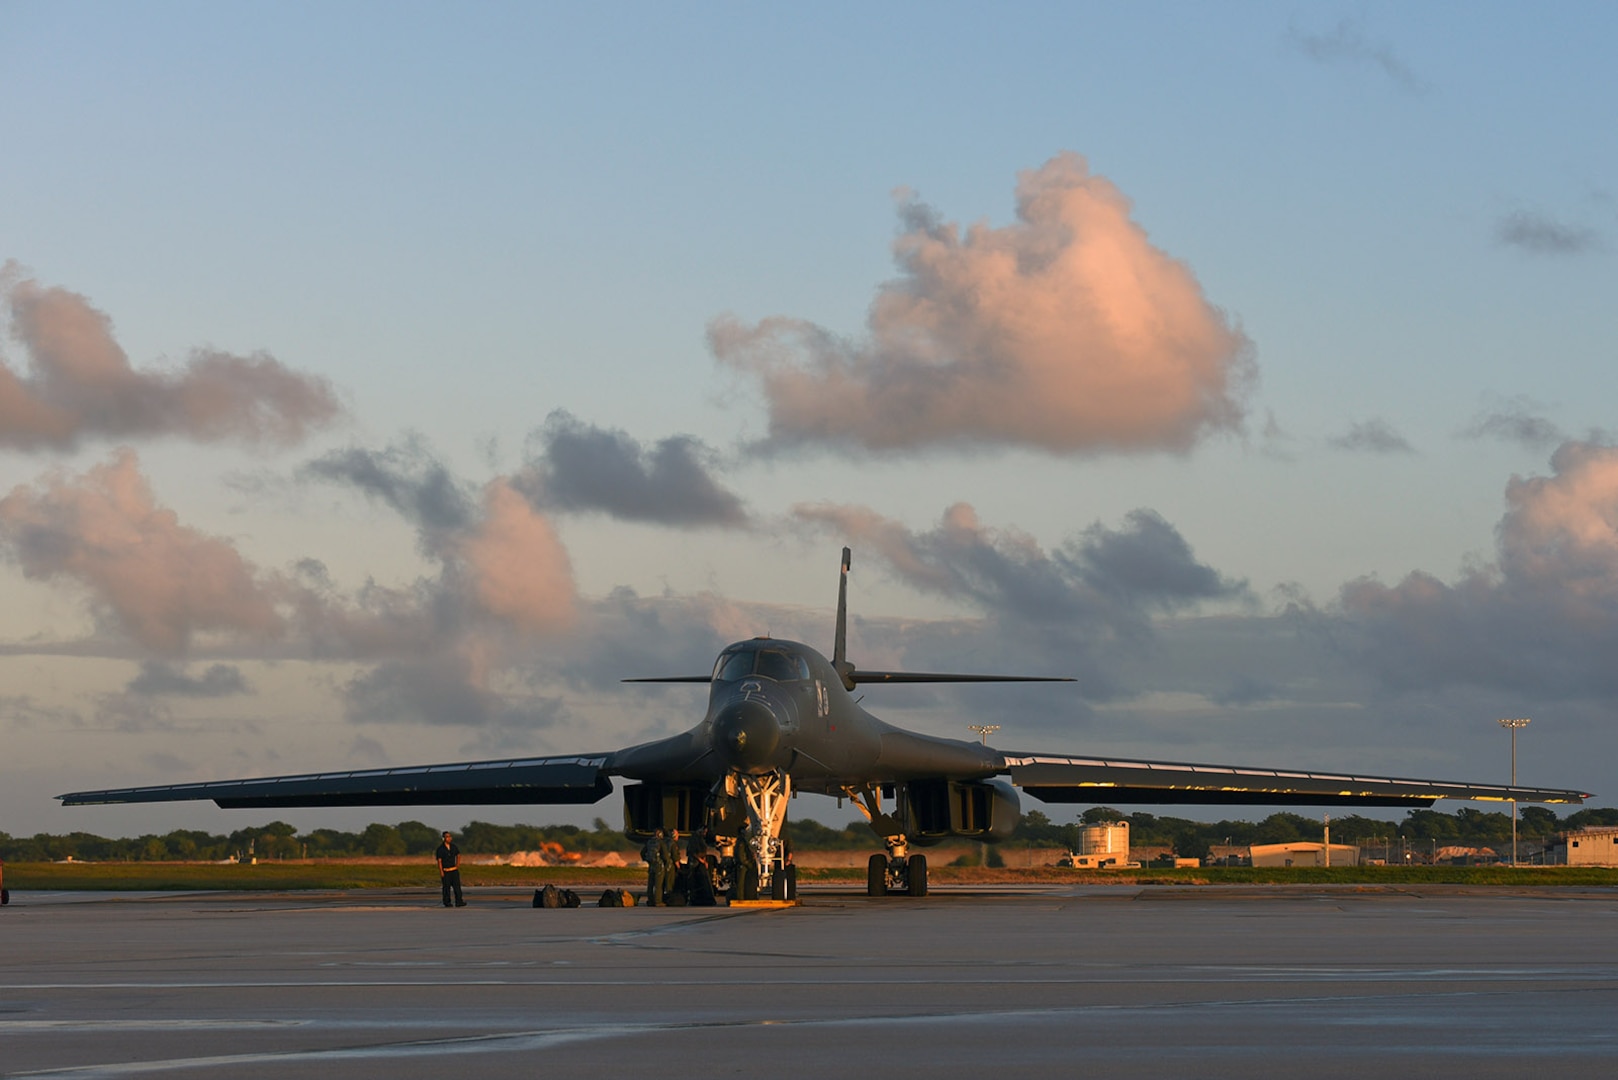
column 449, row 856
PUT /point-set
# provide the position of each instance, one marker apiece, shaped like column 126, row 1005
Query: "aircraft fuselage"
column 780, row 706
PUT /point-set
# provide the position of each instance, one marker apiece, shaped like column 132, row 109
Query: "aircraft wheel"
column 918, row 875
column 790, row 873
column 778, row 884
column 876, row 876
column 746, row 883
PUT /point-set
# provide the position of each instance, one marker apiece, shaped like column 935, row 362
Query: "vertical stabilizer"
column 839, row 648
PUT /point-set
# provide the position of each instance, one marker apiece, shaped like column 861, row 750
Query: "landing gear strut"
column 758, row 868
column 898, row 872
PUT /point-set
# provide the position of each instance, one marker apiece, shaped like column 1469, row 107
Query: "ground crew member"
column 696, row 849
column 652, row 852
column 449, row 869
column 700, row 875
column 671, row 862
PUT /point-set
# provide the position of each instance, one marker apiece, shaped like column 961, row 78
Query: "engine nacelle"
column 977, row 809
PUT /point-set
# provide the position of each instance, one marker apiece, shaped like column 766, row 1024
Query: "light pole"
column 1513, row 725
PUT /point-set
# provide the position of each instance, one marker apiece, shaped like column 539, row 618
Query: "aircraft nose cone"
column 745, row 733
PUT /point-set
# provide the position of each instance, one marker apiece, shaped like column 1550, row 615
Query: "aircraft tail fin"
column 853, row 677
column 839, row 649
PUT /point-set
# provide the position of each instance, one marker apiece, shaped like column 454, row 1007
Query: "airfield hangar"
column 1303, row 853
column 1587, row 847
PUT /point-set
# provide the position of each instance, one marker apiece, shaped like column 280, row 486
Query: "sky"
column 381, row 384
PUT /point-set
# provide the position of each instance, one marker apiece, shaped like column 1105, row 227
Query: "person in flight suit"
column 652, row 853
column 671, row 861
column 449, row 869
column 700, row 874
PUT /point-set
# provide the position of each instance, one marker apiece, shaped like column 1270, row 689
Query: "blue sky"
column 441, row 227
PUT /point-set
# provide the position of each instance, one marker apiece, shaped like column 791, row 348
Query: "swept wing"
column 513, row 781
column 1060, row 779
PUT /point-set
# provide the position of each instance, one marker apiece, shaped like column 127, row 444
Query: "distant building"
column 1304, row 853
column 1458, row 855
column 1586, row 847
column 1102, row 845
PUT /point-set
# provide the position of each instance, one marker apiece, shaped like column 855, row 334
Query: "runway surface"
column 1042, row 981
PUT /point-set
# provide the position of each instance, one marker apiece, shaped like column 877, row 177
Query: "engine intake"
column 980, row 809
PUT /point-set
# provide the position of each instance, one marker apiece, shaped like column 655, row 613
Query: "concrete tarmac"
column 1112, row 981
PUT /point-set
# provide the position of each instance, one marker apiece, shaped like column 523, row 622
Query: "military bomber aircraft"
column 782, row 718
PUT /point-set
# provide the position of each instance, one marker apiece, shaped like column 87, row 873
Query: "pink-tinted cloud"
column 519, row 571
column 1067, row 331
column 80, row 385
column 1562, row 530
column 1542, row 617
column 161, row 581
column 444, row 644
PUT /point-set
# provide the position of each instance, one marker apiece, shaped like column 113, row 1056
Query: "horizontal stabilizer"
column 516, row 781
column 1086, row 780
column 862, row 677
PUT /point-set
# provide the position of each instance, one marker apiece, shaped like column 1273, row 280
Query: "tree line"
column 278, row 840
column 1193, row 839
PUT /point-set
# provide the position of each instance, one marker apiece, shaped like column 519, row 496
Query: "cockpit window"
column 766, row 663
column 733, row 666
column 780, row 666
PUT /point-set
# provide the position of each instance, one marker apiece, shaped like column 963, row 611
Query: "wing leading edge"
column 1057, row 779
column 519, row 780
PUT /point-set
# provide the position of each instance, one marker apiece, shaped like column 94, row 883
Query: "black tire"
column 790, row 872
column 876, row 876
column 5, row 896
column 917, row 872
column 778, row 884
column 746, row 883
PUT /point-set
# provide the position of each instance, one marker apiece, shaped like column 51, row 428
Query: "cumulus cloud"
column 79, row 383
column 1542, row 617
column 1516, row 421
column 1372, row 437
column 580, row 468
column 1115, row 575
column 626, row 635
column 1067, row 331
column 408, row 478
column 1099, row 590
column 161, row 581
column 1541, row 235
column 445, row 688
column 165, row 680
column 518, row 570
column 1346, row 43
column 503, row 580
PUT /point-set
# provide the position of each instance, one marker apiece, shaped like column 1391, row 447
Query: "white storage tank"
column 1106, row 838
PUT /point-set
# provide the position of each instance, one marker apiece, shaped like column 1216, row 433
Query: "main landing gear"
column 897, row 873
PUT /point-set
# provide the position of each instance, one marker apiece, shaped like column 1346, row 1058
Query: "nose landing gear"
column 758, row 865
